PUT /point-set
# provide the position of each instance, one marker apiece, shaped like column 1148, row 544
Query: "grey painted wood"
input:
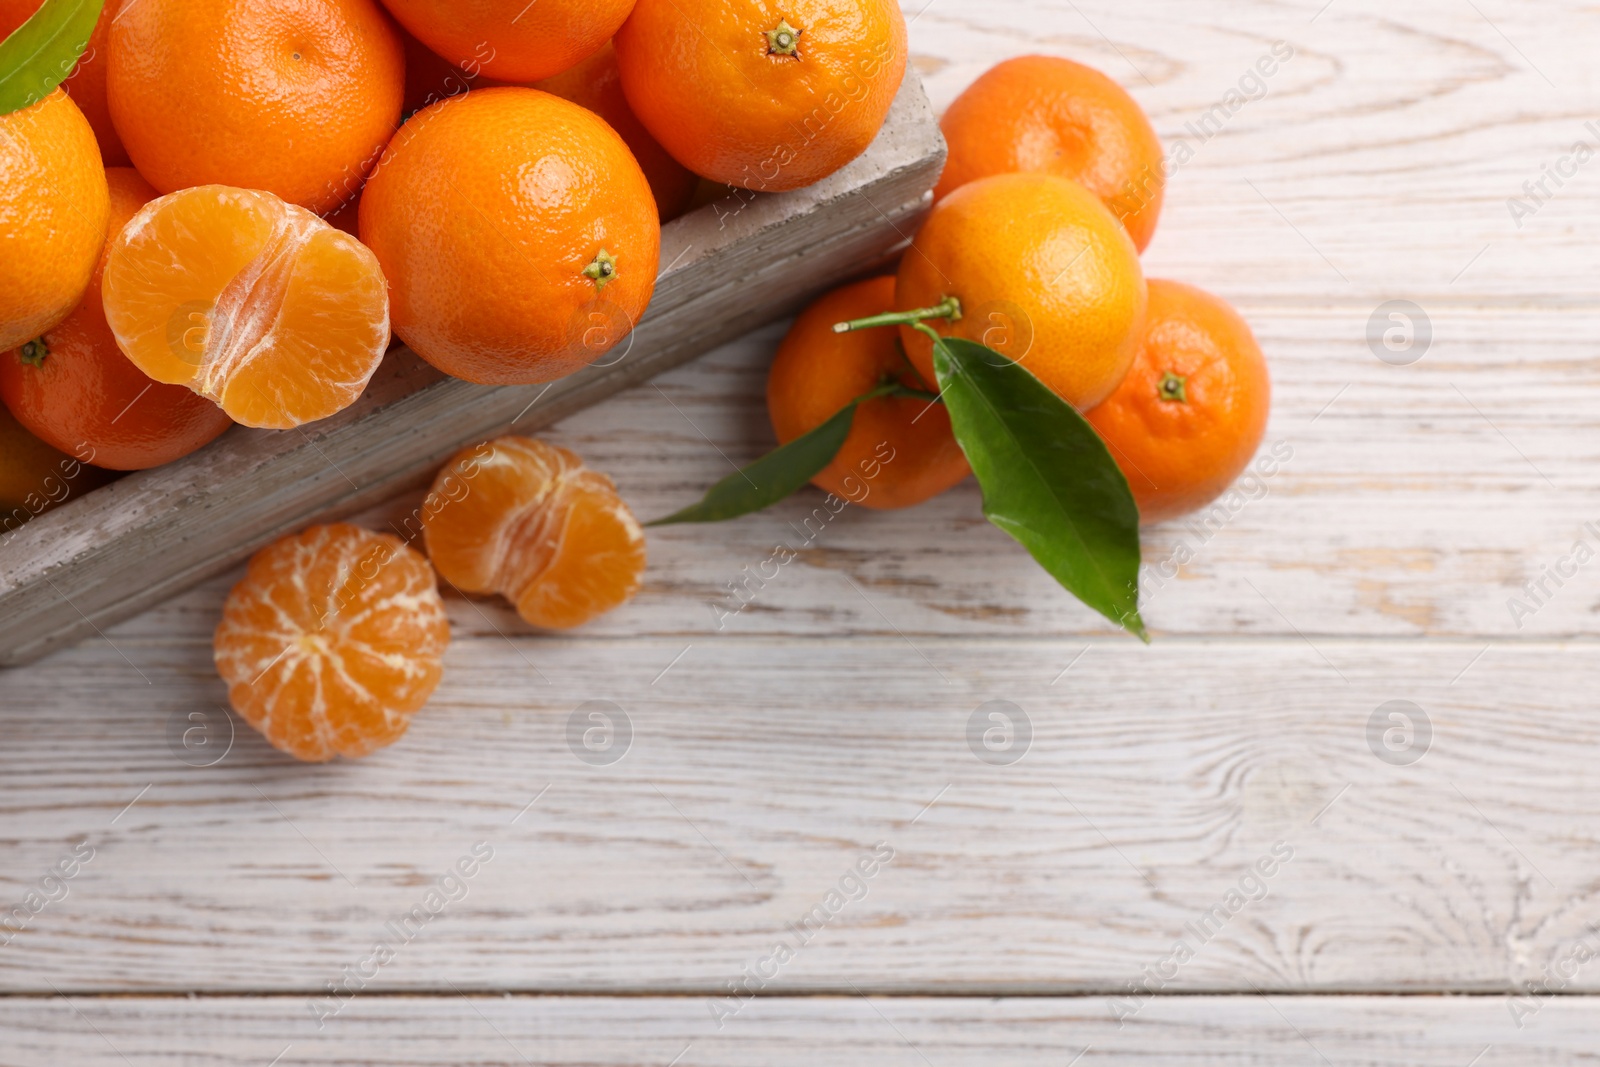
column 727, row 267
column 755, row 772
column 849, row 1031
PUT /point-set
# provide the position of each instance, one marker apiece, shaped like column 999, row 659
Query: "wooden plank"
column 761, row 771
column 1414, row 503
column 1203, row 1031
column 727, row 268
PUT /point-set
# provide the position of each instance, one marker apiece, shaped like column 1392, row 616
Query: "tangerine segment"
column 332, row 641
column 259, row 305
column 528, row 520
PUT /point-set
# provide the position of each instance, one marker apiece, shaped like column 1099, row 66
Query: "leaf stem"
column 948, row 308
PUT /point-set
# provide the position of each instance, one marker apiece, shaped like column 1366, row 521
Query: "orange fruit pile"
column 1053, row 187
column 491, row 177
column 333, row 639
column 515, row 229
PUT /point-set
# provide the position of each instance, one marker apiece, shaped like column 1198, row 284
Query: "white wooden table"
column 1011, row 907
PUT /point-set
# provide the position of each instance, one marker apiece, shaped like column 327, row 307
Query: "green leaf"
column 1047, row 478
column 43, row 51
column 773, row 476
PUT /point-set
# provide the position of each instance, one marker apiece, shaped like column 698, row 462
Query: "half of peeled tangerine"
column 255, row 303
column 529, row 521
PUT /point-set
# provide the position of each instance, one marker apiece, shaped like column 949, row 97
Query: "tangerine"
column 1044, row 275
column 87, row 82
column 900, row 450
column 296, row 97
column 431, row 78
column 596, row 83
column 53, row 199
column 333, row 639
column 529, row 521
column 1043, row 113
column 1192, row 410
column 35, row 477
column 512, row 40
column 518, row 234
column 258, row 305
column 74, row 389
column 759, row 95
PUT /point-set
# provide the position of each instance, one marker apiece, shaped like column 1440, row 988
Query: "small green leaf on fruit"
column 43, row 51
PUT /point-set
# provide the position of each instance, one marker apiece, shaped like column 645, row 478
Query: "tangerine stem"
column 948, row 308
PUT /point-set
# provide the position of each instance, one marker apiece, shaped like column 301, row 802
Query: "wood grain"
column 760, row 770
column 1377, row 164
column 850, row 1032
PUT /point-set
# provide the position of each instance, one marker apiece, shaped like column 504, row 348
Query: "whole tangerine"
column 54, row 202
column 1044, row 275
column 74, row 389
column 1192, row 410
column 512, row 40
column 519, row 236
column 760, row 95
column 900, row 450
column 294, row 97
column 1043, row 113
column 87, row 82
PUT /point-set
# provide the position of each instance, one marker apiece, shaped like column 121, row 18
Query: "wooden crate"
column 726, row 268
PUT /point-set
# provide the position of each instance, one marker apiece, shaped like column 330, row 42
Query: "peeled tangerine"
column 529, row 521
column 254, row 303
column 332, row 641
